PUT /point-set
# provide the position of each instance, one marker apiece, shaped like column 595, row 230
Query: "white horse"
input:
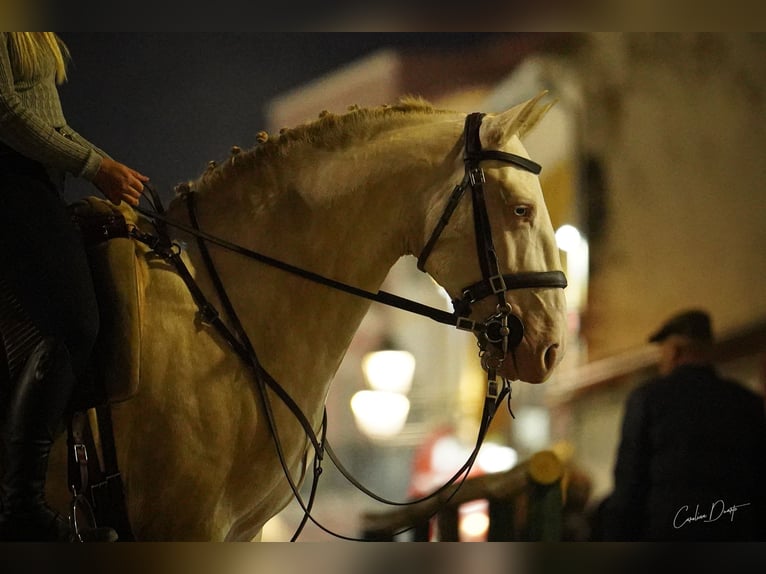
column 345, row 196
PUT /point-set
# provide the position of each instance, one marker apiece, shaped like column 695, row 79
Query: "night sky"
column 167, row 103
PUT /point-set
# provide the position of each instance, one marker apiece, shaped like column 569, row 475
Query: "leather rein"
column 502, row 330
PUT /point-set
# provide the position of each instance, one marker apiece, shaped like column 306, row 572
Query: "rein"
column 502, row 330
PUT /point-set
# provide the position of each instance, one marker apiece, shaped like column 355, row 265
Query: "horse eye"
column 521, row 210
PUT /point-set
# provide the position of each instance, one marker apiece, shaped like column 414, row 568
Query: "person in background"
column 691, row 460
column 44, row 270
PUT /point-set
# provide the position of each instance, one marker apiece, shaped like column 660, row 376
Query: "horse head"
column 501, row 268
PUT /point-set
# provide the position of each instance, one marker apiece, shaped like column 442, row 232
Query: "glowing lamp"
column 568, row 238
column 389, row 370
column 380, row 414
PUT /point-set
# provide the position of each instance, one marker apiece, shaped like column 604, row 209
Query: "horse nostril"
column 551, row 356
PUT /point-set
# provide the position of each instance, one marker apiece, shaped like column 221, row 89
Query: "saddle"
column 113, row 258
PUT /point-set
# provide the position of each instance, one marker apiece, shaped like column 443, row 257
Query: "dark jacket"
column 691, row 462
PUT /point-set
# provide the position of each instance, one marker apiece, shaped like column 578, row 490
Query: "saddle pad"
column 114, row 267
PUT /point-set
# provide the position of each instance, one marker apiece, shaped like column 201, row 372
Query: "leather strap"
column 532, row 280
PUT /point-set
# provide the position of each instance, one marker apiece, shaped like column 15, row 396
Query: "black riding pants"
column 44, row 260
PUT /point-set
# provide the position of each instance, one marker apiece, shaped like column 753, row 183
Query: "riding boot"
column 34, row 420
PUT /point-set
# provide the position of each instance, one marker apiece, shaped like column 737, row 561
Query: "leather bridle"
column 503, row 329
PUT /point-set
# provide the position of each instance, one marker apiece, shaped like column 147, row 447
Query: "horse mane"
column 328, row 131
column 335, row 131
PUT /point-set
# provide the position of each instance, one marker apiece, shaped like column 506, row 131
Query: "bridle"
column 503, row 329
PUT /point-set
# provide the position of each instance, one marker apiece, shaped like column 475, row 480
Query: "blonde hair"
column 29, row 50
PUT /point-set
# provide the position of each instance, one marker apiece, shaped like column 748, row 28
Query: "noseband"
column 503, row 329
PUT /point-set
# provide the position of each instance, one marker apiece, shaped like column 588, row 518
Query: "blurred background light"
column 389, row 370
column 568, row 238
column 380, row 414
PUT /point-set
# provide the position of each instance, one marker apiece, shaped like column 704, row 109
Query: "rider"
column 44, row 268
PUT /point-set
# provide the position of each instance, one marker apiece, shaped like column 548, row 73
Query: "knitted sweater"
column 32, row 122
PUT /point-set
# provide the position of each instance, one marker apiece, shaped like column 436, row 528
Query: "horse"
column 343, row 196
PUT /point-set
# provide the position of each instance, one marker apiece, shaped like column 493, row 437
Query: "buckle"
column 80, row 453
column 465, row 324
column 476, row 175
column 497, row 284
column 493, row 387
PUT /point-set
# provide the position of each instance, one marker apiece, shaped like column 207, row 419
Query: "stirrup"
column 88, row 532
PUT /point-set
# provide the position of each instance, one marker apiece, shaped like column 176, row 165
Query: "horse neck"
column 348, row 215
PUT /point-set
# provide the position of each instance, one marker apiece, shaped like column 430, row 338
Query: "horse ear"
column 518, row 120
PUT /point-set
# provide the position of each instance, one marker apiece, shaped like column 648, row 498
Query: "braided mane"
column 329, row 131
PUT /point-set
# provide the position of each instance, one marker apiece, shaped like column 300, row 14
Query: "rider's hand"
column 119, row 183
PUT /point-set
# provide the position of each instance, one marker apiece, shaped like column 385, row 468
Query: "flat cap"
column 693, row 323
